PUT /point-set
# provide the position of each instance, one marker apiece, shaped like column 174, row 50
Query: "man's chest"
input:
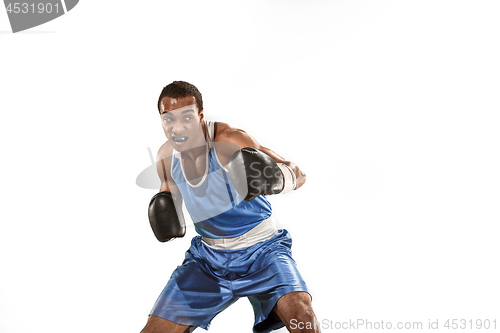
column 195, row 169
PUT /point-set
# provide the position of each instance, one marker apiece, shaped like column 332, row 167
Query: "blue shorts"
column 210, row 280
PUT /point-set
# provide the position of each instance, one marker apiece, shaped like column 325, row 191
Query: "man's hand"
column 164, row 219
column 254, row 173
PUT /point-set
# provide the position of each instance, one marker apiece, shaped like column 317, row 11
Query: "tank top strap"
column 209, row 125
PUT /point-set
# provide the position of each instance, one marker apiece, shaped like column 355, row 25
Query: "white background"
column 390, row 107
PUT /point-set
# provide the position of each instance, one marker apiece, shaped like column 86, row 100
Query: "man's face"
column 181, row 122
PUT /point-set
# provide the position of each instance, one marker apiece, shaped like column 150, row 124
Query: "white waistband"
column 265, row 230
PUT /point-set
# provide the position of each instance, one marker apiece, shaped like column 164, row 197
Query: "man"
column 223, row 175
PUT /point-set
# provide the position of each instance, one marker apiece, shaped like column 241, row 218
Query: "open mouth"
column 180, row 139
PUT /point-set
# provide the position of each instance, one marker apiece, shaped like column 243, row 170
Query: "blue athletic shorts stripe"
column 210, row 280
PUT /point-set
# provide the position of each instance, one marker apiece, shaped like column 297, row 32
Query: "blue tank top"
column 217, row 210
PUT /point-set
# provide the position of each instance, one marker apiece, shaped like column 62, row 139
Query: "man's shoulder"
column 165, row 151
column 227, row 133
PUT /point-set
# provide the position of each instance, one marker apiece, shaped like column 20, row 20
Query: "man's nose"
column 177, row 127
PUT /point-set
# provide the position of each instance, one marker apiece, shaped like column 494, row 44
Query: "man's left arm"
column 299, row 174
column 257, row 165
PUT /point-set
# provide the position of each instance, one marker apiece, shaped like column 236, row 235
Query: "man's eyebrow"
column 185, row 111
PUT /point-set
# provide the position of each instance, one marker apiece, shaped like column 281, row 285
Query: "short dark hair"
column 180, row 89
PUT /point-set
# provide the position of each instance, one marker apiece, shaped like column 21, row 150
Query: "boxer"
column 224, row 176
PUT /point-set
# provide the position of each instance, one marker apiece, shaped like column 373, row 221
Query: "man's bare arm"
column 229, row 139
column 165, row 208
column 163, row 162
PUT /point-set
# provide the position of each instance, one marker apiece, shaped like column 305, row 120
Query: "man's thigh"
column 296, row 312
column 159, row 325
column 194, row 294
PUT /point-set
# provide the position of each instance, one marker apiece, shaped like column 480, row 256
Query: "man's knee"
column 304, row 319
column 308, row 325
column 296, row 312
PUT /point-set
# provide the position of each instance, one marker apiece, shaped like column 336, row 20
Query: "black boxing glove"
column 164, row 219
column 254, row 173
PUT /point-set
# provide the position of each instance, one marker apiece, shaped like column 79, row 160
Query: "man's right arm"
column 165, row 208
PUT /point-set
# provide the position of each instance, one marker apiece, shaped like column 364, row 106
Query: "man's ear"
column 201, row 115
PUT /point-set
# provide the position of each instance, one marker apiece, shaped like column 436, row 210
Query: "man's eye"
column 167, row 120
column 189, row 118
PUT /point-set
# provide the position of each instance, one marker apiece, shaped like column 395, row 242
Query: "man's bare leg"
column 295, row 311
column 159, row 325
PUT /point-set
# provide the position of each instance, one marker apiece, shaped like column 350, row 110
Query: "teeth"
column 179, row 139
